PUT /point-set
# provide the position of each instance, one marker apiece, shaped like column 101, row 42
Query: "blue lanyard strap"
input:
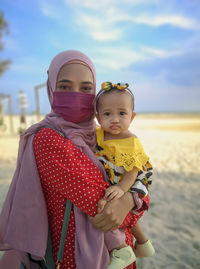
column 64, row 232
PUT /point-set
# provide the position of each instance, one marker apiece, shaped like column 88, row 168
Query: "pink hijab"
column 23, row 220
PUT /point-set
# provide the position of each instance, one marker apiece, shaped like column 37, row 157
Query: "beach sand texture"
column 173, row 219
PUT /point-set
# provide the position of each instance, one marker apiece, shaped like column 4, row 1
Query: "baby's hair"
column 103, row 92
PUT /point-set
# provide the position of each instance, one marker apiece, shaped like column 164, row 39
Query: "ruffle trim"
column 127, row 156
column 129, row 161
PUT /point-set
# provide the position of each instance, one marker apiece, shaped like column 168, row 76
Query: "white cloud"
column 102, row 20
column 104, row 25
column 158, row 53
column 106, row 4
column 106, row 36
column 174, row 20
column 50, row 9
column 105, row 14
column 117, row 58
column 106, row 20
column 100, row 29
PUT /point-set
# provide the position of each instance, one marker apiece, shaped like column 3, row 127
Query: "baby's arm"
column 116, row 191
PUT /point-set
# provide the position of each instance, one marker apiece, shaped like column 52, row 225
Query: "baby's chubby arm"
column 116, row 191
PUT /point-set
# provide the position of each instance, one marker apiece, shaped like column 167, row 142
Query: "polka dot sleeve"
column 67, row 171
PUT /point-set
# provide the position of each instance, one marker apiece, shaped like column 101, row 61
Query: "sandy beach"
column 173, row 220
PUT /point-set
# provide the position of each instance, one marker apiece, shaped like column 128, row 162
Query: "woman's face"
column 75, row 77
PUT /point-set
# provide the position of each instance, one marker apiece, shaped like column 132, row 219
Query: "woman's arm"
column 65, row 170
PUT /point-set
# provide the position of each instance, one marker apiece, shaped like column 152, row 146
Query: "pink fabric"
column 62, row 58
column 23, row 220
column 73, row 106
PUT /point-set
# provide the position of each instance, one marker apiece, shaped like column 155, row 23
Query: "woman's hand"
column 113, row 213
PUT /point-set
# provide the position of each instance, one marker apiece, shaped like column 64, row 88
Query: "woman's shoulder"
column 46, row 132
column 49, row 131
column 48, row 135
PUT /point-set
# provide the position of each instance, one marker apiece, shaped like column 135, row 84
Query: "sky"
column 154, row 45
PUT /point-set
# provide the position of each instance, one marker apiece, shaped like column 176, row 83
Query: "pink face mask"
column 73, row 106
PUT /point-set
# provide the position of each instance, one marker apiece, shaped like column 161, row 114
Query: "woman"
column 51, row 169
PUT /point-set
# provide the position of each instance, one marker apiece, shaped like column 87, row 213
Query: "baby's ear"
column 133, row 115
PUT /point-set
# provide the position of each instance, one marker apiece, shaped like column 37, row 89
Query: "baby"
column 122, row 155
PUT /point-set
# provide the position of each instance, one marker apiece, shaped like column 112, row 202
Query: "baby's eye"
column 122, row 113
column 106, row 113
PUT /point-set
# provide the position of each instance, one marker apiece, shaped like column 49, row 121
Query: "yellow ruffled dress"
column 119, row 155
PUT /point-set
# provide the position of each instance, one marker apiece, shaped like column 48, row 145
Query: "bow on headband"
column 107, row 86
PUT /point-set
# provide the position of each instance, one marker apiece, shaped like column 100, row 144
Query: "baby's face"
column 115, row 112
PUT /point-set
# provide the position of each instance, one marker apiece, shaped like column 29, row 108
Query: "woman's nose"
column 76, row 89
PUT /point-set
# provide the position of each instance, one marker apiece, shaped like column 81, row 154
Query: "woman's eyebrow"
column 65, row 80
column 69, row 81
column 87, row 82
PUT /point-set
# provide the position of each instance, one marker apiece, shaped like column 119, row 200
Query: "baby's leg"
column 143, row 246
column 139, row 234
column 121, row 255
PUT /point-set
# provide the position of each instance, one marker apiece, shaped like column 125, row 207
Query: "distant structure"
column 37, row 99
column 23, row 104
column 6, row 97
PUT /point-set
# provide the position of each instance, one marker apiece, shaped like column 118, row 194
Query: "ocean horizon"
column 184, row 112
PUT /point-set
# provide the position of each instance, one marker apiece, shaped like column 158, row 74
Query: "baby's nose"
column 115, row 119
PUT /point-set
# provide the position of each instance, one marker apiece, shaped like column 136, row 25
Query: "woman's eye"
column 63, row 87
column 87, row 89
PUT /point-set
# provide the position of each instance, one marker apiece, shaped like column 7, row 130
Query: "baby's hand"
column 101, row 204
column 113, row 193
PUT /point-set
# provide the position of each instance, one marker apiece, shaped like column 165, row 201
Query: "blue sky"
column 154, row 45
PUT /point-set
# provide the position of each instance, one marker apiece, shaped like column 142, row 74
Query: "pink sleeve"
column 66, row 170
